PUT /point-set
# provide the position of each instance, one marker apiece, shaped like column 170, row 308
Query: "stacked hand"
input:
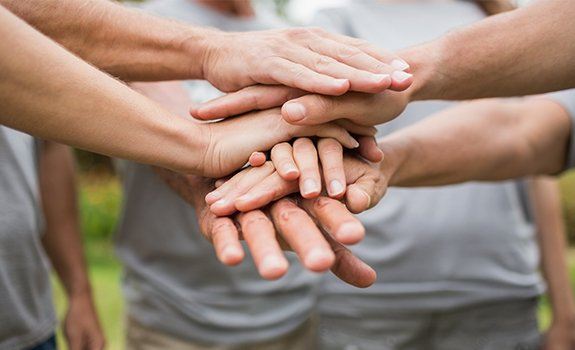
column 273, row 215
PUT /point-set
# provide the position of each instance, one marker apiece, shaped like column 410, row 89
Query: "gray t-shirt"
column 173, row 281
column 434, row 248
column 26, row 312
column 566, row 98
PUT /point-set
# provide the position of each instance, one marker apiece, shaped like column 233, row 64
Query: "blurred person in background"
column 179, row 296
column 458, row 264
column 38, row 226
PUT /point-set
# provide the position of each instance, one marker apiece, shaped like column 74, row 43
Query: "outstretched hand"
column 313, row 229
column 309, row 59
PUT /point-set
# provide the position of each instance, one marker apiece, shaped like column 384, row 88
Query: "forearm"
column 484, row 140
column 50, row 93
column 516, row 53
column 546, row 203
column 190, row 188
column 124, row 42
column 62, row 239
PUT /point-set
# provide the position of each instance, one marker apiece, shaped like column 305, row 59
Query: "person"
column 205, row 304
column 148, row 48
column 395, row 315
column 459, row 264
column 77, row 115
column 39, row 225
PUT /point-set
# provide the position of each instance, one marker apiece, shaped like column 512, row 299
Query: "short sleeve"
column 566, row 99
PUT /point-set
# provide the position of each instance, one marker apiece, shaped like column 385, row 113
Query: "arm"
column 136, row 46
column 64, row 247
column 526, row 51
column 485, row 140
column 546, row 202
column 66, row 100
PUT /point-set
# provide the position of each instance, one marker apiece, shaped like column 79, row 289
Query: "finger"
column 299, row 230
column 360, row 80
column 233, row 189
column 369, row 149
column 331, row 130
column 399, row 82
column 257, row 159
column 305, row 156
column 271, row 189
column 350, row 268
column 356, row 129
column 225, row 238
column 296, row 75
column 331, row 156
column 259, row 234
column 313, row 109
column 257, row 97
column 363, row 195
column 336, row 219
column 282, row 157
column 225, row 187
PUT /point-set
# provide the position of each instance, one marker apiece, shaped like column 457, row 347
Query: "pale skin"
column 511, row 54
column 90, row 110
column 546, row 201
column 63, row 244
column 127, row 125
column 288, row 224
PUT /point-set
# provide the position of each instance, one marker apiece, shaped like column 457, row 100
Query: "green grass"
column 100, row 202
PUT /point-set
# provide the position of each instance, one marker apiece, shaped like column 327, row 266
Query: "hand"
column 230, row 143
column 310, row 59
column 227, row 145
column 288, row 224
column 300, row 108
column 300, row 161
column 254, row 188
column 560, row 336
column 81, row 326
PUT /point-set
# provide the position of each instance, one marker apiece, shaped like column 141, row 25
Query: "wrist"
column 199, row 45
column 425, row 62
column 395, row 154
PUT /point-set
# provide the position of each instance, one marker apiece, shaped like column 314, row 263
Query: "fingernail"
column 231, row 254
column 309, row 187
column 400, row 76
column 354, row 143
column 213, row 196
column 399, row 64
column 335, row 188
column 341, row 82
column 319, row 259
column 246, row 197
column 272, row 265
column 350, row 232
column 380, row 78
column 220, row 203
column 294, row 111
column 290, row 169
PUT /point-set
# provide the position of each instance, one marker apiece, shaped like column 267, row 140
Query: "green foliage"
column 567, row 183
column 100, row 200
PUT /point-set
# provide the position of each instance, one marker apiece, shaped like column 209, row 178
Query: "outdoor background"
column 100, row 201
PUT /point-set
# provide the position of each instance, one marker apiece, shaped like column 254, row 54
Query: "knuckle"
column 222, row 225
column 298, row 33
column 322, row 63
column 321, row 203
column 346, row 52
column 288, row 214
column 252, row 220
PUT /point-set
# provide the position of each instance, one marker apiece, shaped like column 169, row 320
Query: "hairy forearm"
column 485, row 140
column 48, row 92
column 62, row 239
column 125, row 42
column 190, row 188
column 546, row 204
column 516, row 53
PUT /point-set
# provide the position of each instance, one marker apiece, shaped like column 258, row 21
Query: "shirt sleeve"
column 566, row 99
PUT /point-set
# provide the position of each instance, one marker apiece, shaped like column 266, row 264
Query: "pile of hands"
column 313, row 112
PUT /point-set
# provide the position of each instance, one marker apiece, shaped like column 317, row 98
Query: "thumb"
column 362, row 195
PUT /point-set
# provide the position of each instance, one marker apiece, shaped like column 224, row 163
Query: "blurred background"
column 101, row 197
